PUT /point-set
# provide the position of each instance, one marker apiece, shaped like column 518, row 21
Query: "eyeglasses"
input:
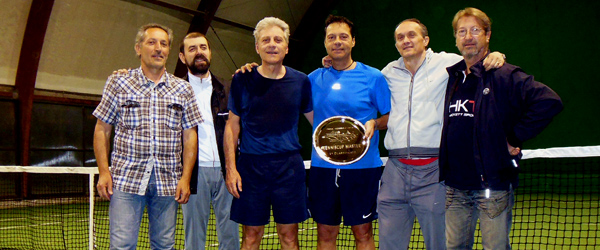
column 475, row 31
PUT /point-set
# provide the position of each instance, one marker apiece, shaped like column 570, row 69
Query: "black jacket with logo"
column 510, row 106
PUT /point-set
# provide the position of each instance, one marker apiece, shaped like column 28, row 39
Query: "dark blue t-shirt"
column 269, row 110
column 462, row 173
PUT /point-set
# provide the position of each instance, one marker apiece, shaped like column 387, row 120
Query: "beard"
column 199, row 69
column 469, row 53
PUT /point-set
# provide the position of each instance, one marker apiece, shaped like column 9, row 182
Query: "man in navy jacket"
column 487, row 117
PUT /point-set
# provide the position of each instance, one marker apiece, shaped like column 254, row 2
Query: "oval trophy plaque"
column 340, row 140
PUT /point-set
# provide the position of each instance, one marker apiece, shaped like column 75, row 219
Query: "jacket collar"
column 456, row 68
column 477, row 69
column 401, row 65
column 216, row 82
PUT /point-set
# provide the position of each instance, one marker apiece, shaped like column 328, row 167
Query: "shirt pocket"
column 130, row 113
column 175, row 114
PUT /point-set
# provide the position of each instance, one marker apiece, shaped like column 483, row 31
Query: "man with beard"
column 207, row 184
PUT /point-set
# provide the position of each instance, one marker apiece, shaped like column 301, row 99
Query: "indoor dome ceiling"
column 86, row 40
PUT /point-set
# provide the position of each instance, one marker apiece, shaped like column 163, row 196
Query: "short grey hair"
column 271, row 21
column 141, row 34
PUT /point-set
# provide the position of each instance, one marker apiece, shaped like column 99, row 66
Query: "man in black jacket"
column 207, row 183
column 487, row 117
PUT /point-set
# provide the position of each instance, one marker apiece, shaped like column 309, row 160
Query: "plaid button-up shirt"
column 149, row 119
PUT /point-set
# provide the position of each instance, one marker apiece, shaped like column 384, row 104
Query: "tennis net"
column 556, row 207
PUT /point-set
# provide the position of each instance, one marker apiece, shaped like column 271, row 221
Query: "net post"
column 91, row 211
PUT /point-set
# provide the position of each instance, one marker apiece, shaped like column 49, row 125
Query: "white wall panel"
column 87, row 40
column 12, row 25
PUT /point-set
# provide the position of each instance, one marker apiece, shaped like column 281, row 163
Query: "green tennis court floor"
column 541, row 221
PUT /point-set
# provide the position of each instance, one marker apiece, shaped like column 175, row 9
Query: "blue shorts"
column 351, row 193
column 277, row 180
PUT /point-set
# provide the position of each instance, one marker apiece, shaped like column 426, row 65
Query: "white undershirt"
column 208, row 154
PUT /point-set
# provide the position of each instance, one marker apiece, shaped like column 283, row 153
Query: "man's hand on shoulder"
column 327, row 61
column 246, row 68
column 121, row 72
column 494, row 60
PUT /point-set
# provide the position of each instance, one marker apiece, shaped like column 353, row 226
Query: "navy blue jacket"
column 509, row 106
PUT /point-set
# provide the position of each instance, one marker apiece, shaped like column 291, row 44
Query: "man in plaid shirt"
column 152, row 111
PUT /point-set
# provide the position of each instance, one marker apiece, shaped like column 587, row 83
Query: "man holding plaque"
column 410, row 182
column 265, row 106
column 355, row 90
